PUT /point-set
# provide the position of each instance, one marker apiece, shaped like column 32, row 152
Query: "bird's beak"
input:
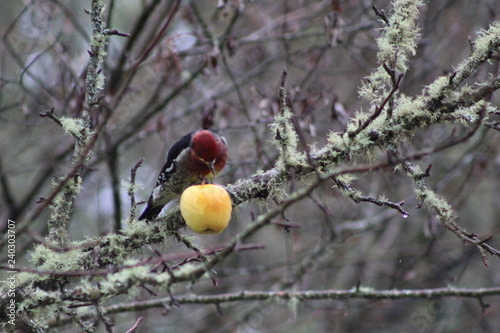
column 211, row 167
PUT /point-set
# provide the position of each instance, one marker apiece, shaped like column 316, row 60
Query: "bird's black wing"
column 150, row 213
column 169, row 166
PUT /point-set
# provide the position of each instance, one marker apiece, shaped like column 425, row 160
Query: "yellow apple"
column 206, row 208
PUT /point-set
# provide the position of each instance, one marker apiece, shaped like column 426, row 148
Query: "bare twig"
column 136, row 325
column 50, row 114
column 381, row 14
column 144, row 55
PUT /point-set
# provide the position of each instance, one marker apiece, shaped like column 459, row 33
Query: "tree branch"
column 284, row 295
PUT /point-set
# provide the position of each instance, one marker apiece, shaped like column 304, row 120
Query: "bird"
column 195, row 158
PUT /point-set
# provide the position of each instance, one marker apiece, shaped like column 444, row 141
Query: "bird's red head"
column 209, row 151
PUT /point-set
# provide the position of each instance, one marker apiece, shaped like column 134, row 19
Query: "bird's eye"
column 199, row 154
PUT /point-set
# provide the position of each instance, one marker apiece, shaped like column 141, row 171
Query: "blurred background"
column 218, row 66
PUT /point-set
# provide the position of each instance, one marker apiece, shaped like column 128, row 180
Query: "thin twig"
column 136, row 325
column 378, row 111
column 381, row 14
column 360, row 198
column 144, row 55
column 50, row 114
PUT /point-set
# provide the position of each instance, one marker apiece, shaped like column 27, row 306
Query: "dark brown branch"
column 114, row 171
column 7, row 193
column 115, row 32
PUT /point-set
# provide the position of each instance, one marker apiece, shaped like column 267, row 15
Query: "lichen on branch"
column 286, row 138
column 397, row 42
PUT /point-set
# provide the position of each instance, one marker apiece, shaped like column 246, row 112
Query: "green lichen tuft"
column 47, row 259
column 469, row 115
column 437, row 87
column 397, row 42
column 129, row 187
column 100, row 81
column 74, row 126
column 483, row 49
column 293, row 305
column 286, row 139
column 365, row 289
column 444, row 210
column 187, row 270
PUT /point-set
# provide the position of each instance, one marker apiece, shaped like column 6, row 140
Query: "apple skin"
column 206, row 208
